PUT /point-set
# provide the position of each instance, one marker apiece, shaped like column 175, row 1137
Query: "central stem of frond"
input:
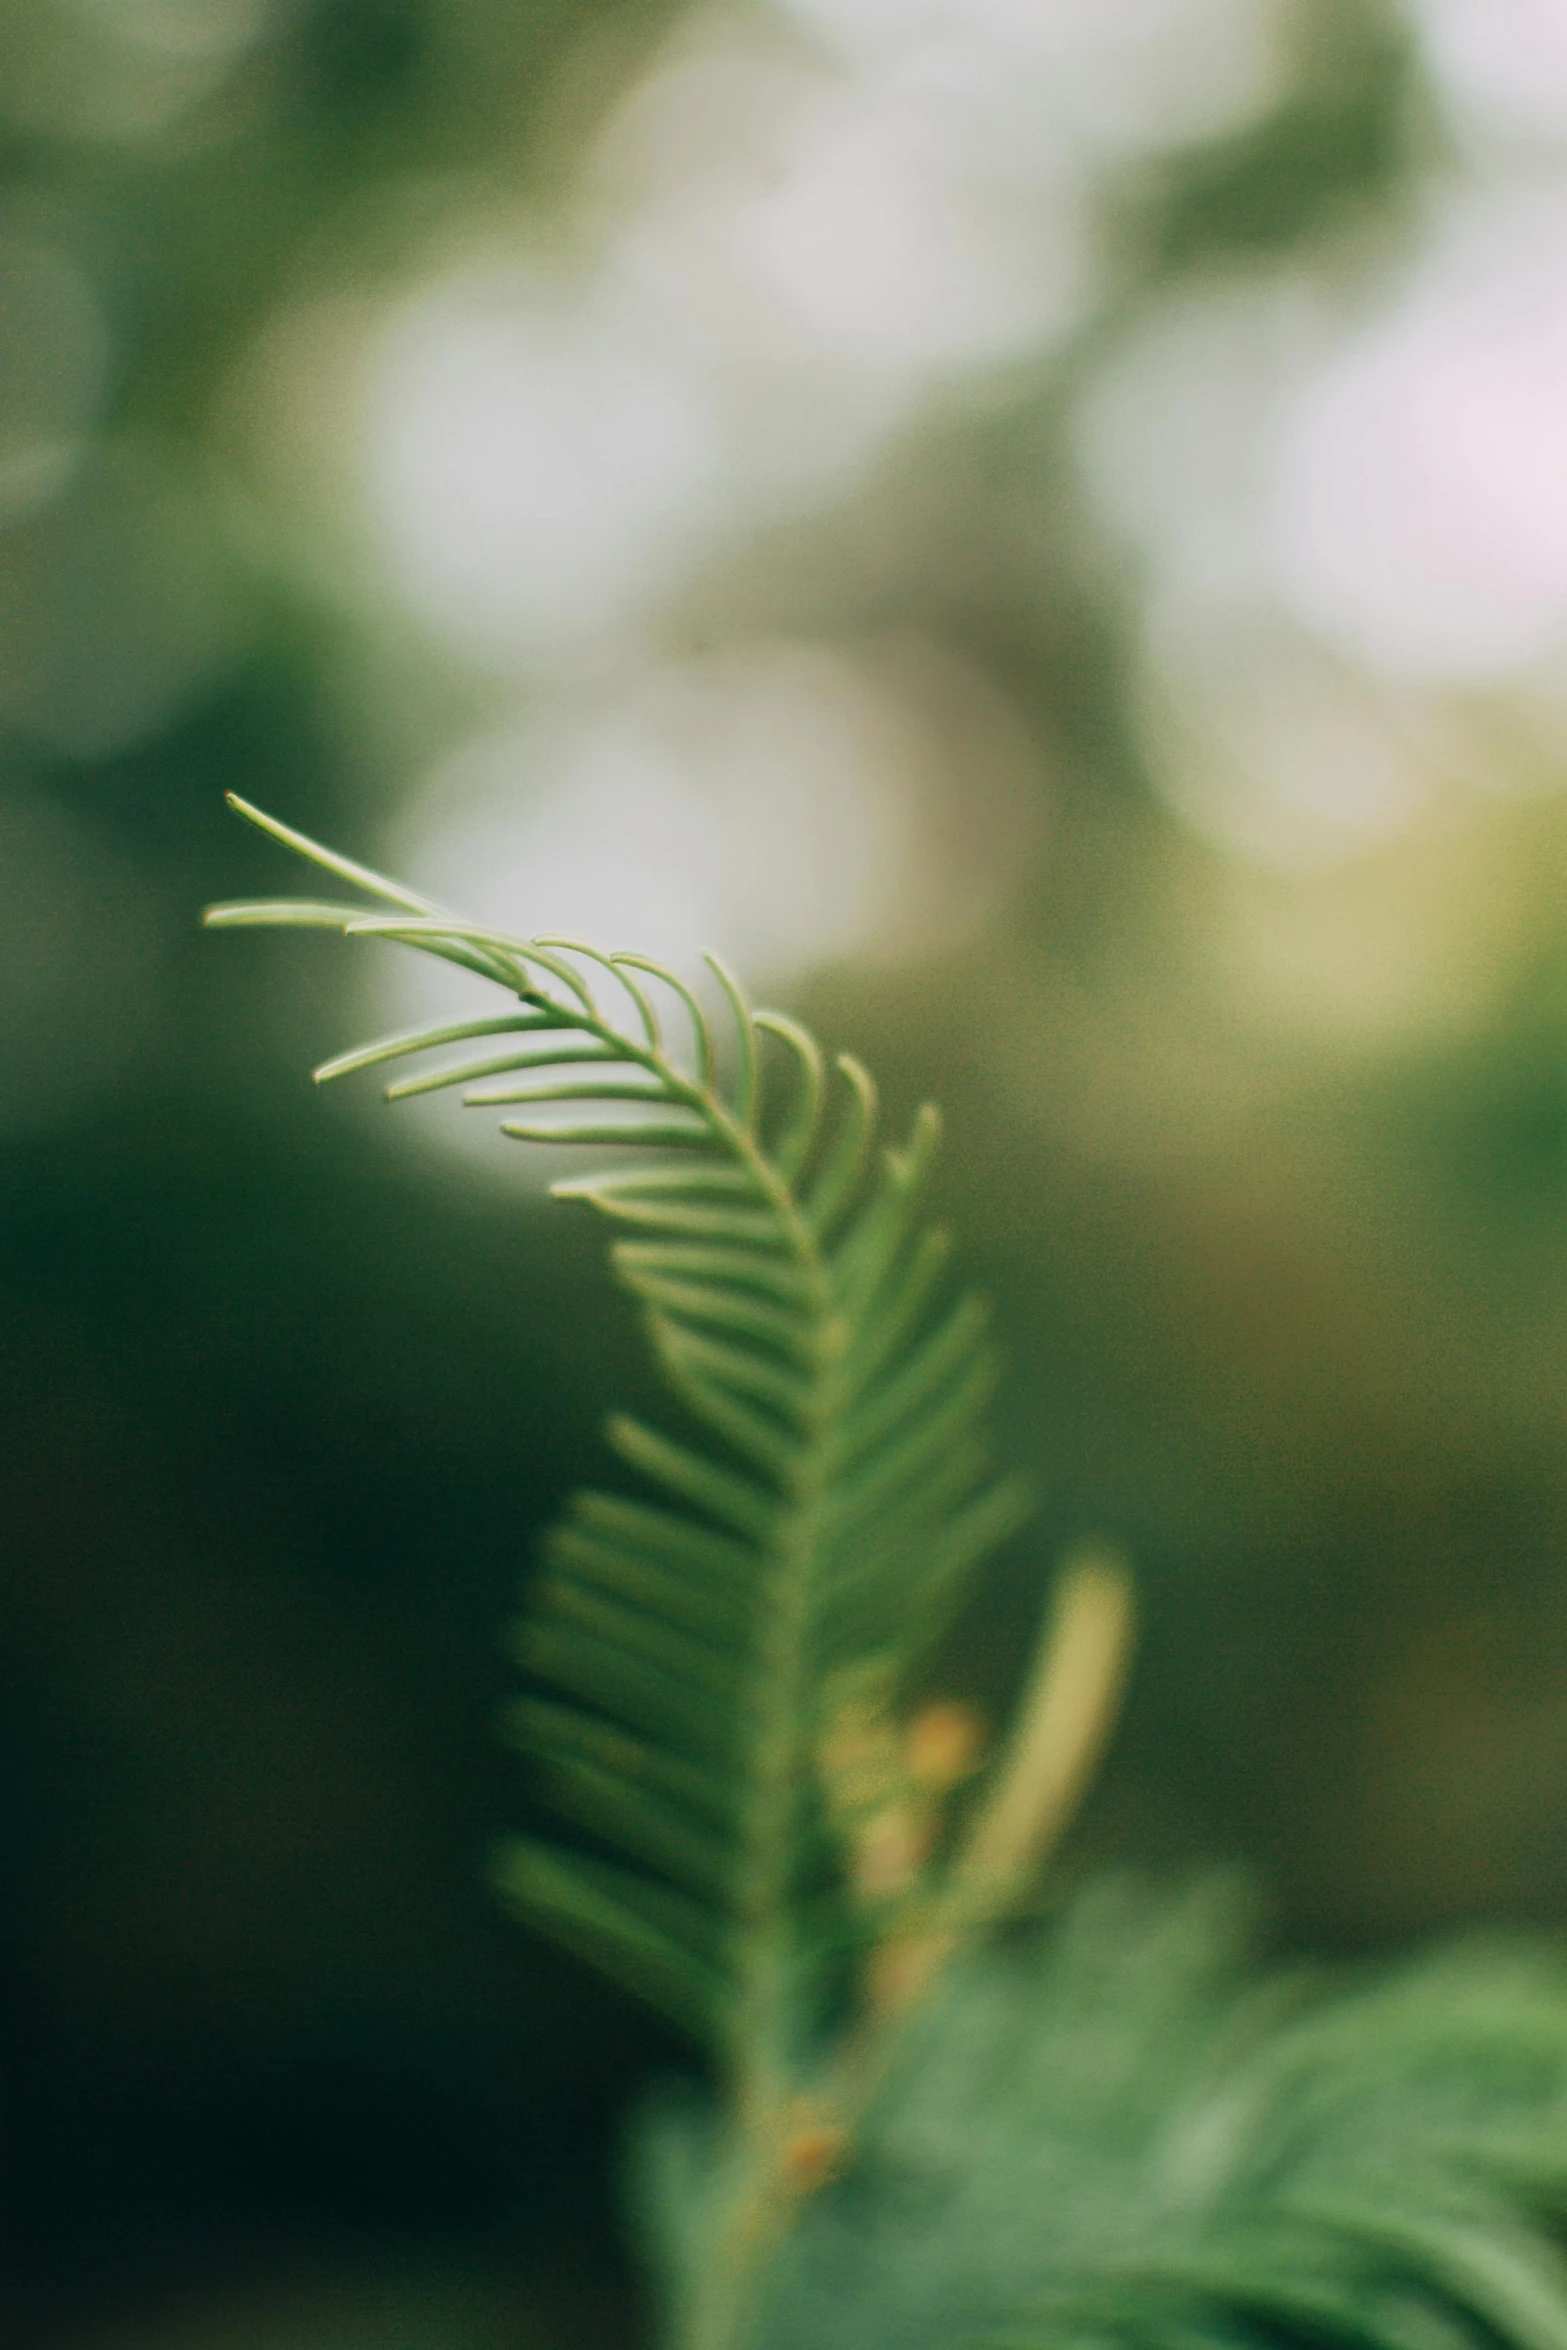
column 769, row 1965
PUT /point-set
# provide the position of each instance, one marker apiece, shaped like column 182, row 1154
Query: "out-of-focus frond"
column 1116, row 2134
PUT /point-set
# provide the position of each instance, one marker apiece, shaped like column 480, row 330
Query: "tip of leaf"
column 254, row 815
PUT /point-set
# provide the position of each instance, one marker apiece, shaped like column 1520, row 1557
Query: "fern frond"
column 822, row 1508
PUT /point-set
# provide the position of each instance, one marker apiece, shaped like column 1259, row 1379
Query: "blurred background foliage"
column 1041, row 530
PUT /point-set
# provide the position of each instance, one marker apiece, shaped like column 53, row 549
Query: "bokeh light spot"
column 537, row 469
column 787, row 805
column 1267, row 743
column 1503, row 61
column 1420, row 517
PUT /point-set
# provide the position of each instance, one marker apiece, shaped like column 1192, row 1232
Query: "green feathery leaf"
column 1117, row 2134
column 823, row 1508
